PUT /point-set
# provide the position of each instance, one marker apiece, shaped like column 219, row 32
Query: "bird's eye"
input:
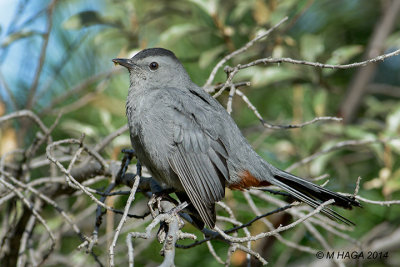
column 153, row 65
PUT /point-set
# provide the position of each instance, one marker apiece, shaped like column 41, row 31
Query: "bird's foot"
column 157, row 197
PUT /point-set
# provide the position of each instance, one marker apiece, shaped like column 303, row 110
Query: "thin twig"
column 101, row 145
column 84, row 85
column 213, row 252
column 35, row 213
column 288, row 243
column 46, row 37
column 237, row 52
column 313, row 64
column 25, row 237
column 230, row 99
column 277, row 230
column 227, row 83
column 290, row 126
column 123, row 220
column 357, row 187
column 377, row 202
column 9, row 91
column 25, row 113
column 335, row 147
column 280, row 209
column 51, row 202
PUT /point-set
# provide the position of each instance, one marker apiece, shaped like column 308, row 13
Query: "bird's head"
column 154, row 68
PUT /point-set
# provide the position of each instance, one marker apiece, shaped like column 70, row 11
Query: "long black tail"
column 313, row 194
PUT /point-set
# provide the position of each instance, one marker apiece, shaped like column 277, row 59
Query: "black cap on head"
column 154, row 52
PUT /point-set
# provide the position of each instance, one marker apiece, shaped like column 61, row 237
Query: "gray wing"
column 199, row 160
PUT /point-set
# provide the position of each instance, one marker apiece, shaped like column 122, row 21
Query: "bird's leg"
column 170, row 208
column 150, row 204
column 130, row 151
column 128, row 155
column 158, row 201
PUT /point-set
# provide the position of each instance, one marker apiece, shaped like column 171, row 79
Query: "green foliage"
column 201, row 33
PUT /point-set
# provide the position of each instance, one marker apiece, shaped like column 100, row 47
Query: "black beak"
column 123, row 62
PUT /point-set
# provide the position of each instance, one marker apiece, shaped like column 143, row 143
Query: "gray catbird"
column 188, row 141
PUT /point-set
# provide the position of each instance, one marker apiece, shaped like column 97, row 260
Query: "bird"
column 189, row 142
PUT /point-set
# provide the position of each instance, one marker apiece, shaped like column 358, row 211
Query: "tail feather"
column 313, row 194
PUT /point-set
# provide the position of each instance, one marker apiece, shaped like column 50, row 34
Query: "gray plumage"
column 188, row 141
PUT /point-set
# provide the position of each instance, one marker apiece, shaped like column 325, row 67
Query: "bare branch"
column 9, row 91
column 42, row 56
column 87, row 173
column 290, row 126
column 84, row 85
column 313, row 64
column 101, row 145
column 384, row 89
column 227, row 83
column 290, row 244
column 25, row 113
column 45, row 198
column 123, row 220
column 25, row 237
column 214, row 253
column 382, row 30
column 169, row 239
column 35, row 213
column 336, row 147
column 237, row 52
column 230, row 99
column 381, row 203
column 277, row 230
column 253, row 253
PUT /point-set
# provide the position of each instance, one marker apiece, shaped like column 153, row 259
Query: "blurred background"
column 55, row 56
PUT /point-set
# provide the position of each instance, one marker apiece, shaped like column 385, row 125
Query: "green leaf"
column 311, row 46
column 354, row 132
column 342, row 55
column 106, row 119
column 209, row 6
column 85, row 19
column 393, row 184
column 240, row 10
column 264, row 76
column 175, row 32
column 357, row 133
column 393, row 123
column 76, row 128
column 207, row 57
column 393, row 40
column 318, row 165
column 320, row 100
column 395, row 145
